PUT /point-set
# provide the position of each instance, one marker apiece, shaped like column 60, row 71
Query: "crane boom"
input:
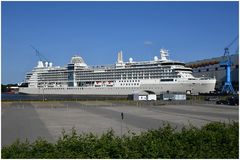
column 232, row 42
column 40, row 56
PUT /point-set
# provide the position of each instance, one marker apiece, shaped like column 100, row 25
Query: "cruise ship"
column 156, row 76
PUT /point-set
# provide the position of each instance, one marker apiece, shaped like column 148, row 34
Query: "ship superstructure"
column 124, row 78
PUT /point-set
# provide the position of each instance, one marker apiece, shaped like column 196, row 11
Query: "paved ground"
column 36, row 119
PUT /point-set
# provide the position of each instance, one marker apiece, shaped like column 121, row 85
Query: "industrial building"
column 211, row 67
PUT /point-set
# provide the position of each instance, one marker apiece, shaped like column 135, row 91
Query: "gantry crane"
column 227, row 63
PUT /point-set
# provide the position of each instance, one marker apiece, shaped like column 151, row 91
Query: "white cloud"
column 148, row 43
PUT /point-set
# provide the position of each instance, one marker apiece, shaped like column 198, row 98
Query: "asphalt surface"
column 21, row 120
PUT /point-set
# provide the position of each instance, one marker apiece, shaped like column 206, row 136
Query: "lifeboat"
column 110, row 83
column 98, row 83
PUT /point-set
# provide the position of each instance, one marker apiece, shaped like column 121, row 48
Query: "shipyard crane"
column 40, row 56
column 227, row 63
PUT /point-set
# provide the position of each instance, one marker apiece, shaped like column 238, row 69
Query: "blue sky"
column 98, row 30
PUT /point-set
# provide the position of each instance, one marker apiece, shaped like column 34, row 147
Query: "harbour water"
column 41, row 97
column 16, row 97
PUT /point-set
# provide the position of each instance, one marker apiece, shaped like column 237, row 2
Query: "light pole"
column 122, row 117
column 43, row 94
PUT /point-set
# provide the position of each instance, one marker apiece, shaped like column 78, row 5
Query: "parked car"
column 233, row 100
column 211, row 99
column 222, row 102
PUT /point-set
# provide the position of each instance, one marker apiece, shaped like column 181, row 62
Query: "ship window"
column 164, row 80
column 216, row 68
column 199, row 70
column 207, row 69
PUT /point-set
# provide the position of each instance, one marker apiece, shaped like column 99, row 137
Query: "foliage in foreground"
column 214, row 140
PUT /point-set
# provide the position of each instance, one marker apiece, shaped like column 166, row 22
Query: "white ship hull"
column 150, row 86
column 124, row 78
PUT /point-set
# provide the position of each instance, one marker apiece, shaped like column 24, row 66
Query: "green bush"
column 214, row 140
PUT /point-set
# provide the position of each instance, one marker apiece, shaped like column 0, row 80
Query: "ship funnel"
column 163, row 54
column 120, row 59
